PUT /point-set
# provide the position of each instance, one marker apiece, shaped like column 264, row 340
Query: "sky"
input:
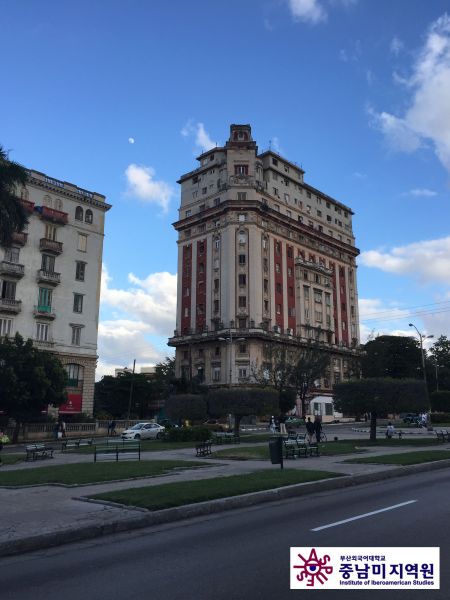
column 120, row 96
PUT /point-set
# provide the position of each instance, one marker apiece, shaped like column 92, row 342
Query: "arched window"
column 47, row 201
column 75, row 374
column 88, row 217
column 58, row 204
column 79, row 213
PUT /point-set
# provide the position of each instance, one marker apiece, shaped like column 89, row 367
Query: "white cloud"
column 275, row 145
column 343, row 55
column 396, row 46
column 309, row 11
column 427, row 117
column 358, row 175
column 421, row 192
column 428, row 261
column 141, row 184
column 202, row 138
column 370, row 77
column 131, row 140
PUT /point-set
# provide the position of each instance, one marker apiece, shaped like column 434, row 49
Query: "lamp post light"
column 229, row 340
column 421, row 338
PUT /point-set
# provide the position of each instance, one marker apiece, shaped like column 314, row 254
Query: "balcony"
column 44, row 344
column 11, row 269
column 44, row 311
column 48, row 277
column 10, row 306
column 27, row 205
column 19, row 238
column 50, row 246
column 53, row 215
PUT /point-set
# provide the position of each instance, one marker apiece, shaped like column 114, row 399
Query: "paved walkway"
column 36, row 511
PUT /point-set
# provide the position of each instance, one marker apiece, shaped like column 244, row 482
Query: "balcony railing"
column 10, row 305
column 43, row 343
column 28, row 206
column 19, row 238
column 51, row 214
column 50, row 246
column 42, row 310
column 11, row 269
column 48, row 277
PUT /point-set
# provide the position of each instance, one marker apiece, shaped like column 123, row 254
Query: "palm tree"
column 13, row 217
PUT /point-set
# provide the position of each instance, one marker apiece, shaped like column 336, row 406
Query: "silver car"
column 144, row 431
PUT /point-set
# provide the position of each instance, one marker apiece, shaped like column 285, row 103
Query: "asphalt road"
column 243, row 553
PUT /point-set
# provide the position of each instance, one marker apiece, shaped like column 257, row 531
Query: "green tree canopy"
column 243, row 402
column 12, row 214
column 438, row 364
column 192, row 407
column 440, row 401
column 379, row 396
column 30, row 380
column 392, row 356
column 112, row 396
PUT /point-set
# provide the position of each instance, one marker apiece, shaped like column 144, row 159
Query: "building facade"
column 50, row 279
column 262, row 257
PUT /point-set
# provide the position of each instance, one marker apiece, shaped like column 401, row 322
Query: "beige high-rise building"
column 262, row 257
column 50, row 279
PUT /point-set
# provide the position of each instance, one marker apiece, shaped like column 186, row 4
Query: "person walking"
column 113, row 428
column 272, row 425
column 63, row 429
column 310, row 429
column 317, row 427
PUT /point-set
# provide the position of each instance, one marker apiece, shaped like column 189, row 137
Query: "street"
column 243, row 553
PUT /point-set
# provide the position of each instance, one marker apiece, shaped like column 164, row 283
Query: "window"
column 241, row 169
column 286, row 197
column 266, row 305
column 45, row 299
column 242, row 348
column 317, row 278
column 277, row 267
column 216, row 203
column 242, row 196
column 201, row 268
column 187, row 213
column 216, row 244
column 216, row 306
column 88, row 217
column 217, row 351
column 289, row 214
column 216, row 374
column 242, row 238
column 242, row 279
column 242, row 218
column 318, row 316
column 76, row 335
column 187, row 292
column 278, row 288
column 201, row 248
column 80, row 270
column 290, row 291
column 275, row 162
column 186, row 311
column 291, row 311
column 275, row 191
column 42, row 332
column 78, row 303
column 242, row 301
column 216, row 285
column 317, row 296
column 242, row 259
column 48, row 263
column 308, row 194
column 195, row 179
column 266, row 286
column 82, row 242
column 319, row 213
column 12, row 255
column 200, row 309
column 290, row 252
column 278, row 309
column 289, row 272
column 74, row 374
column 242, row 373
column 6, row 326
column 265, row 264
column 204, row 190
column 242, row 323
column 50, row 232
column 79, row 213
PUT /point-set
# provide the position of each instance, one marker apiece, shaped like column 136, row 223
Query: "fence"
column 45, row 431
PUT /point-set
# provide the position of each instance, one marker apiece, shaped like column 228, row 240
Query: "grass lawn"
column 410, row 458
column 80, row 473
column 262, row 452
column 11, row 459
column 188, row 492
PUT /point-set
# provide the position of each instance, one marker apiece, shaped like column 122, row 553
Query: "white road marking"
column 375, row 512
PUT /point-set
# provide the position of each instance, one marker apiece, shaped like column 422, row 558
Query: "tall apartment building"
column 262, row 257
column 50, row 279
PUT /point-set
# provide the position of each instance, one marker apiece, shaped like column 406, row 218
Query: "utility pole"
column 131, row 390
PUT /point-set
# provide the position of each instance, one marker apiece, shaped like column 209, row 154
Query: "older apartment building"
column 50, row 279
column 262, row 256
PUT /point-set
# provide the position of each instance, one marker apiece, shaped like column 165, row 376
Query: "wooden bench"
column 222, row 437
column 68, row 444
column 120, row 450
column 203, row 448
column 442, row 435
column 36, row 451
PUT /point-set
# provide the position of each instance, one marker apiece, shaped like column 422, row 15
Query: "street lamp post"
column 229, row 340
column 421, row 338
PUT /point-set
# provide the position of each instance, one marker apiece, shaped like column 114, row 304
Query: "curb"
column 49, row 540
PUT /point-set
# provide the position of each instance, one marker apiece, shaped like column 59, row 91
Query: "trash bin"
column 275, row 451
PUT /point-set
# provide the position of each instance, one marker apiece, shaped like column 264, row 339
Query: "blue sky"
column 120, row 96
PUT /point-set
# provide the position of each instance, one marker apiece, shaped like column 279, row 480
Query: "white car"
column 143, row 431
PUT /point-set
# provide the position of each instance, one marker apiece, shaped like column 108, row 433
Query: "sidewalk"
column 48, row 515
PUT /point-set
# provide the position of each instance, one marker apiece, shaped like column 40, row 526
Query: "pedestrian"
column 109, row 428
column 63, row 429
column 309, row 429
column 272, row 425
column 55, row 430
column 113, row 428
column 390, row 430
column 317, row 427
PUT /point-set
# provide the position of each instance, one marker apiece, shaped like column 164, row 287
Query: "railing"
column 43, row 343
column 13, row 269
column 51, row 214
column 28, row 206
column 49, row 276
column 42, row 310
column 10, row 305
column 50, row 245
column 20, row 238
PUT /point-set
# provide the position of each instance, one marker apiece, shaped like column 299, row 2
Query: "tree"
column 311, row 364
column 30, row 380
column 440, row 401
column 393, row 356
column 112, row 395
column 186, row 406
column 379, row 396
column 438, row 364
column 12, row 213
column 242, row 402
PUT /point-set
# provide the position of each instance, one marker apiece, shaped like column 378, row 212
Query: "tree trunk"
column 373, row 426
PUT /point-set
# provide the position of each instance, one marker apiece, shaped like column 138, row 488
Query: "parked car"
column 144, row 431
column 411, row 418
column 168, row 424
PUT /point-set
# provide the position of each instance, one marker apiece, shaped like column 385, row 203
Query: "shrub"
column 440, row 417
column 440, row 401
column 188, row 434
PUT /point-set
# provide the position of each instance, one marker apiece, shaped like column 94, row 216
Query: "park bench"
column 68, row 444
column 36, row 451
column 119, row 451
column 296, row 448
column 222, row 437
column 203, row 448
column 442, row 435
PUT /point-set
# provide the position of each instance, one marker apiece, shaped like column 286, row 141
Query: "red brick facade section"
column 186, row 283
column 290, row 281
column 335, row 305
column 343, row 306
column 278, row 279
column 200, row 297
